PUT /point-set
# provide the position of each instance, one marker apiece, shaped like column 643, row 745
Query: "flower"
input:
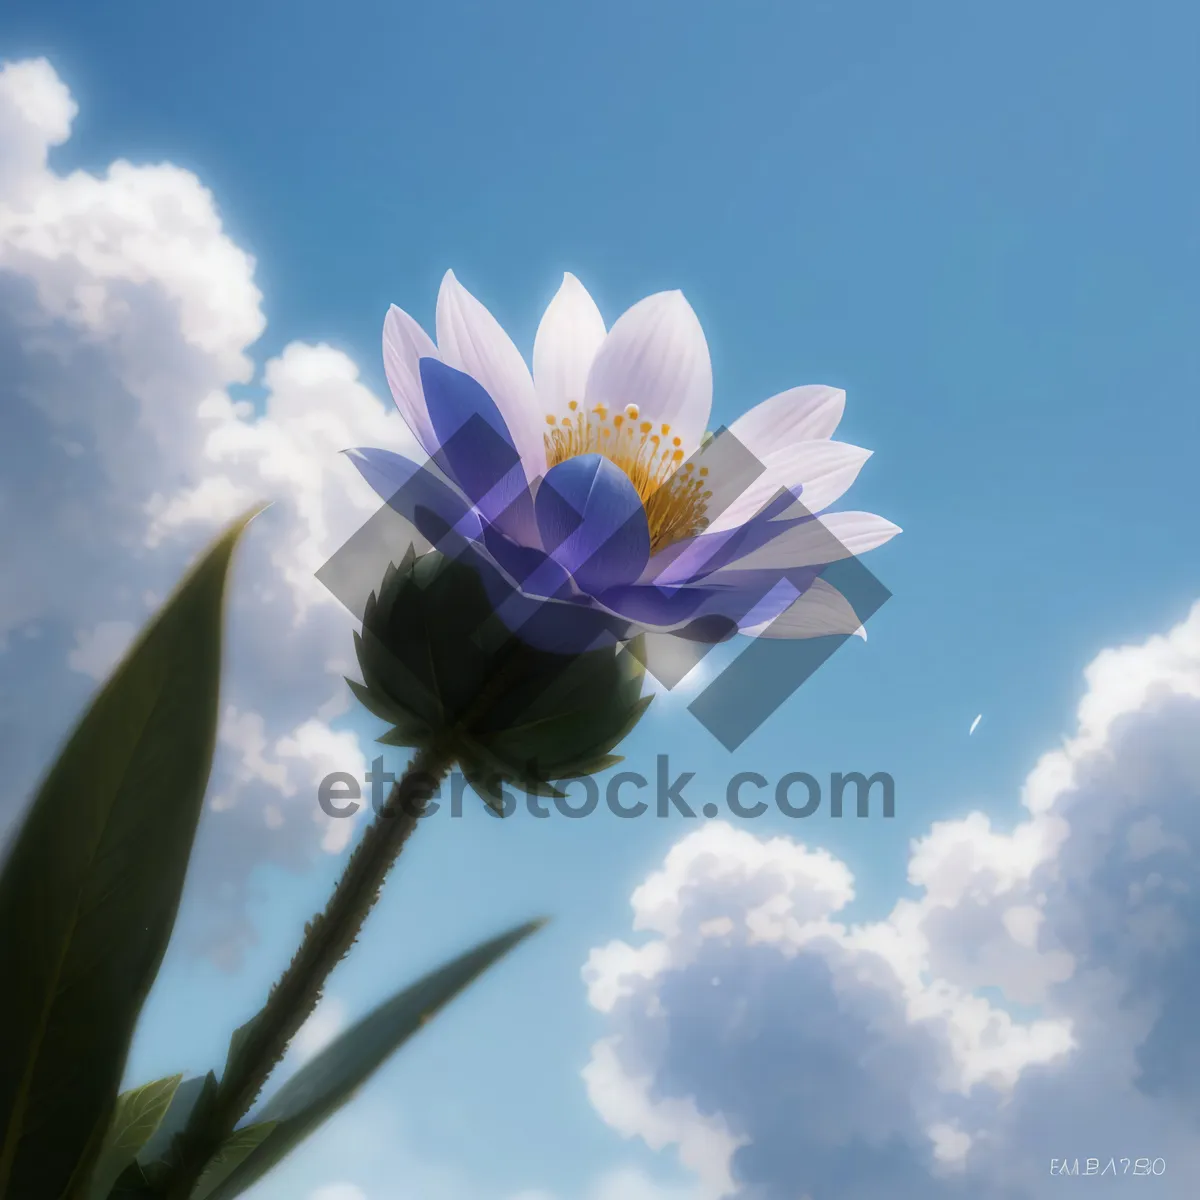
column 588, row 494
column 440, row 668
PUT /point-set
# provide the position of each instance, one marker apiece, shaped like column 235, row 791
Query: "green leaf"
column 137, row 1115
column 132, row 1185
column 232, row 1154
column 322, row 1086
column 91, row 886
column 192, row 1094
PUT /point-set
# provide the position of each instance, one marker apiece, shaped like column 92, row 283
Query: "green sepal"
column 437, row 663
column 485, row 783
column 595, row 766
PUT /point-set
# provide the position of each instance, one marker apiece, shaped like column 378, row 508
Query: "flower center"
column 672, row 491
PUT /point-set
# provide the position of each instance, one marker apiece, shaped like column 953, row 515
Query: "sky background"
column 978, row 221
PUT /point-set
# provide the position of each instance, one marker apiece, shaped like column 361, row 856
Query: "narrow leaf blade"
column 92, row 881
column 323, row 1085
column 237, row 1148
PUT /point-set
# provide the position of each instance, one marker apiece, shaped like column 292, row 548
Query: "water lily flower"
column 588, row 491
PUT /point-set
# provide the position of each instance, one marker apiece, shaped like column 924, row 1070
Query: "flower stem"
column 327, row 938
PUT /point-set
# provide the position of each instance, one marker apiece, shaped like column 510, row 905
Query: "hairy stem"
column 327, row 938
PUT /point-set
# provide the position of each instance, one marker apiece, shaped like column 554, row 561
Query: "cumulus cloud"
column 377, row 1156
column 1033, row 1001
column 98, row 649
column 627, row 1183
column 326, row 1022
column 128, row 318
column 623, row 1184
column 338, row 1191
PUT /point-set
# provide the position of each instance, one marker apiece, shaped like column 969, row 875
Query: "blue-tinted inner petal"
column 475, row 447
column 592, row 522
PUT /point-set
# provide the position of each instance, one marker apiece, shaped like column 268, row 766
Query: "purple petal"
column 408, row 487
column 701, row 556
column 592, row 522
column 476, row 449
column 695, row 612
column 533, row 570
column 536, row 613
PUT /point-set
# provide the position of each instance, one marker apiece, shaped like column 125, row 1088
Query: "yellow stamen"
column 675, row 505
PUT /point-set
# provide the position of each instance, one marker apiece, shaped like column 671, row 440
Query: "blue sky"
column 979, row 222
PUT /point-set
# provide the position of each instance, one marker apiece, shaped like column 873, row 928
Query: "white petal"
column 822, row 469
column 405, row 343
column 655, row 356
column 565, row 347
column 827, row 539
column 470, row 339
column 819, row 611
column 801, row 414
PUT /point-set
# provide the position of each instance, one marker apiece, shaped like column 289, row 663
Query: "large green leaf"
column 137, row 1115
column 91, row 885
column 321, row 1087
column 236, row 1149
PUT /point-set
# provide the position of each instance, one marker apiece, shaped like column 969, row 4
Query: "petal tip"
column 392, row 323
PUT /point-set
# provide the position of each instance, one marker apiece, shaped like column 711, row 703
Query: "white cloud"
column 327, row 1021
column 99, row 649
column 630, row 1184
column 338, row 1191
column 1034, row 1000
column 623, row 1184
column 374, row 1154
column 127, row 315
column 36, row 111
